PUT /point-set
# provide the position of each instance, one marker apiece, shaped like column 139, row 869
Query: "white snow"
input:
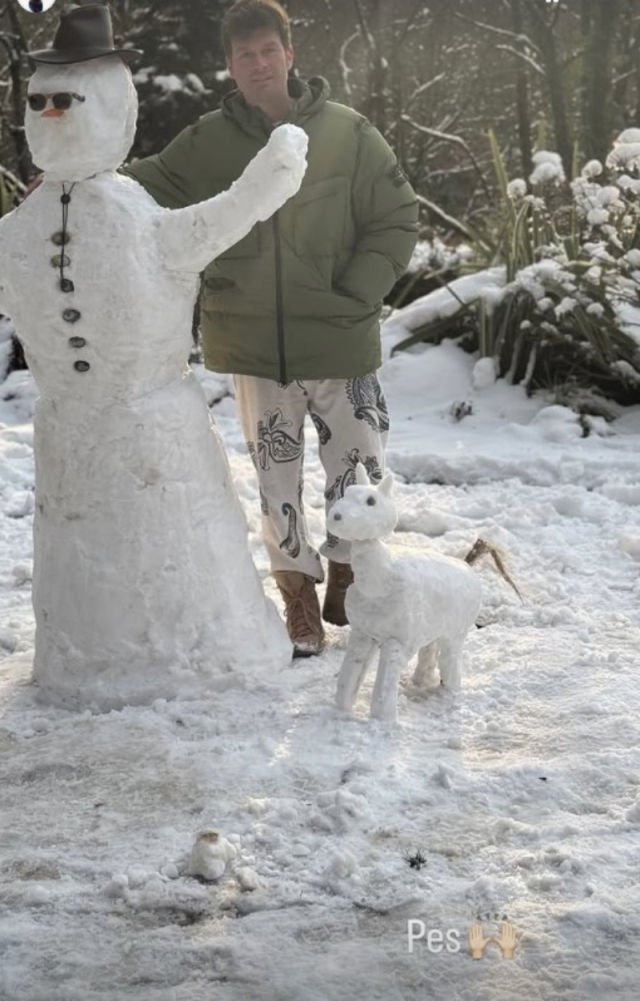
column 435, row 255
column 446, row 301
column 401, row 604
column 625, row 154
column 517, row 188
column 548, row 168
column 139, row 543
column 96, row 133
column 253, row 842
column 209, row 856
column 170, row 83
column 593, row 168
column 521, row 792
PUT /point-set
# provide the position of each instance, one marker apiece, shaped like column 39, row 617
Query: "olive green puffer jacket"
column 300, row 296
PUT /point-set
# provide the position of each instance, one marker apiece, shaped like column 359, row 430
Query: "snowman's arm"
column 5, row 297
column 190, row 238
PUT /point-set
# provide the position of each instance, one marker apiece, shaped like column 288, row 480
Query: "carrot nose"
column 52, row 113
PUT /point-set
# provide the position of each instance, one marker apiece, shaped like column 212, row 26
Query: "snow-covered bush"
column 432, row 264
column 567, row 307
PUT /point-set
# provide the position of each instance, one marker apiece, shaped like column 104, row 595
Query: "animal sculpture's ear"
column 386, row 485
column 362, row 477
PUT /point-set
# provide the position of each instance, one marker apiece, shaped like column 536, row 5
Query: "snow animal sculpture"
column 400, row 604
column 143, row 585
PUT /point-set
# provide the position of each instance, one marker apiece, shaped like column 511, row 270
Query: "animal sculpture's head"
column 366, row 511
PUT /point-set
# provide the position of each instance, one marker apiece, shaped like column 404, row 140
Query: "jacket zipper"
column 279, row 308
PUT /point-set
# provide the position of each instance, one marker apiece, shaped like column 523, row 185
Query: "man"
column 293, row 309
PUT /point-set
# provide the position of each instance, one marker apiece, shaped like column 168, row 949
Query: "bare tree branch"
column 424, row 87
column 523, row 56
column 364, row 27
column 448, row 220
column 345, row 70
column 522, row 39
column 449, row 138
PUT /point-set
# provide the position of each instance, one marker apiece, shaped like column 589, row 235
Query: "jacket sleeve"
column 386, row 215
column 175, row 176
column 191, row 237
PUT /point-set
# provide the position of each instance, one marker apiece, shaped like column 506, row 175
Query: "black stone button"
column 66, row 285
column 77, row 342
column 60, row 238
column 65, row 199
column 71, row 315
column 60, row 260
column 81, row 366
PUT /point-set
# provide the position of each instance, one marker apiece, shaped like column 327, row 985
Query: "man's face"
column 259, row 64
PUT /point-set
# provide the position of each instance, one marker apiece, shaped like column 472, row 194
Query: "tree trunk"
column 18, row 97
column 522, row 94
column 599, row 26
column 372, row 31
column 543, row 32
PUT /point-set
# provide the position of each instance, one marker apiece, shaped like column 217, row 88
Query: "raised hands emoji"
column 477, row 941
column 507, row 940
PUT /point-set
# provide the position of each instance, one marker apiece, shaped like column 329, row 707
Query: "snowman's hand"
column 277, row 170
column 192, row 237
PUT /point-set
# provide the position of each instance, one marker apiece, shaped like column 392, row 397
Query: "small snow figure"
column 400, row 604
column 209, row 856
column 143, row 585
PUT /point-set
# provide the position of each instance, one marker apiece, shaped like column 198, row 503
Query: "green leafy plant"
column 568, row 260
column 10, row 191
column 416, row 860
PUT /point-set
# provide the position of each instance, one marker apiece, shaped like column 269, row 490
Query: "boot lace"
column 301, row 618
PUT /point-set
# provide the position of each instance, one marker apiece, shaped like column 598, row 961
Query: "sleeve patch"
column 398, row 176
column 362, row 125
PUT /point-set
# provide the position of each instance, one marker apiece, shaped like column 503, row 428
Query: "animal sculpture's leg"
column 357, row 659
column 450, row 662
column 427, row 665
column 384, row 701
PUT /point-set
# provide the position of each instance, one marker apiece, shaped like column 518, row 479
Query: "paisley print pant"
column 351, row 421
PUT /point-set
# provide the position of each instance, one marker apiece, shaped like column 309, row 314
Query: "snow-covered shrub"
column 432, row 264
column 568, row 305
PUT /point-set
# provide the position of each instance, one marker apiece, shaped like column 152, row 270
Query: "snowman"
column 143, row 584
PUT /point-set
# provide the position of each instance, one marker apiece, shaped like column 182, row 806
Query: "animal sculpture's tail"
column 482, row 548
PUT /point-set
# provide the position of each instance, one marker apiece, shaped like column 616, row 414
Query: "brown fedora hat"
column 84, row 33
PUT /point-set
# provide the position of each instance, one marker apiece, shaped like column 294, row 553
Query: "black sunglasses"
column 62, row 101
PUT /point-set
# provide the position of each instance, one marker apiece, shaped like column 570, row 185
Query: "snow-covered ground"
column 521, row 793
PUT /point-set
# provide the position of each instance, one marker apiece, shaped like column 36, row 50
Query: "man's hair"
column 247, row 16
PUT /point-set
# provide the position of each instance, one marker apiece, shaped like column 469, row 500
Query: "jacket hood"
column 309, row 96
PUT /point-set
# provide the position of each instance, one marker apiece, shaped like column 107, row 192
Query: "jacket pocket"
column 229, row 271
column 214, row 284
column 320, row 214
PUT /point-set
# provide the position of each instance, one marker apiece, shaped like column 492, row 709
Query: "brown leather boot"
column 340, row 577
column 302, row 612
